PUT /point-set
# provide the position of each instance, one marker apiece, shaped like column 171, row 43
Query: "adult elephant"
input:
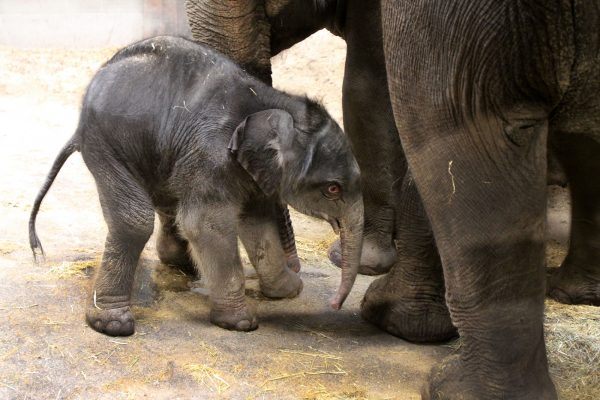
column 489, row 83
column 477, row 90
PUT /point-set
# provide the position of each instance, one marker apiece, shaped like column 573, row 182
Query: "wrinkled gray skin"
column 480, row 91
column 490, row 83
column 171, row 126
column 252, row 31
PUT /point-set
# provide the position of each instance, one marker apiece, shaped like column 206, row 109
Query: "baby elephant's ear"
column 259, row 143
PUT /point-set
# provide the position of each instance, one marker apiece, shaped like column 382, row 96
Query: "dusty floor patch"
column 302, row 348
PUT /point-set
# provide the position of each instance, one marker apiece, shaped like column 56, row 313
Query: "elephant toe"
column 246, row 325
column 241, row 320
column 111, row 322
column 293, row 263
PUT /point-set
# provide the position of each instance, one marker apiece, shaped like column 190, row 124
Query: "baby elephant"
column 173, row 127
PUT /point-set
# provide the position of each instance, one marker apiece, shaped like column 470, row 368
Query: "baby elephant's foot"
column 112, row 322
column 236, row 320
column 287, row 285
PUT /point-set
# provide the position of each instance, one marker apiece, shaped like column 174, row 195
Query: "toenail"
column 243, row 325
column 113, row 326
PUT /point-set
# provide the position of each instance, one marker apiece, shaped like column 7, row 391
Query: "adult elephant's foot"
column 447, row 381
column 376, row 259
column 113, row 322
column 234, row 319
column 409, row 301
column 454, row 379
column 417, row 314
column 571, row 285
column 286, row 285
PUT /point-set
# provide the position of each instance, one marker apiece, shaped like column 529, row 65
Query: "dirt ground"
column 302, row 349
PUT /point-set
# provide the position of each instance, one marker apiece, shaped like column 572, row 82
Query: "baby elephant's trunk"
column 351, row 231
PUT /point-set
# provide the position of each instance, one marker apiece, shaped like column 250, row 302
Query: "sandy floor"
column 301, row 350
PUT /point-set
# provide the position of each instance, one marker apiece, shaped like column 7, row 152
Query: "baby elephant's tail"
column 69, row 149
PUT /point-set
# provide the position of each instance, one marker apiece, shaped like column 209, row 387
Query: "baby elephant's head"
column 307, row 163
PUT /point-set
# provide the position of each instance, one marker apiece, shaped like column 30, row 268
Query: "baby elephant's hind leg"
column 171, row 247
column 130, row 218
column 258, row 231
column 212, row 238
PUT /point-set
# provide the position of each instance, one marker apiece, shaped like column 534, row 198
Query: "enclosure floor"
column 302, row 348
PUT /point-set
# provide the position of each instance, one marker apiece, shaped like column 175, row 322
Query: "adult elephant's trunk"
column 237, row 28
column 351, row 230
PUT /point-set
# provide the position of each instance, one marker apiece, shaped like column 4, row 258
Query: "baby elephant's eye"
column 333, row 191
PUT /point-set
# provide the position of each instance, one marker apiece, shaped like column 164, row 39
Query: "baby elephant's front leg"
column 259, row 233
column 212, row 238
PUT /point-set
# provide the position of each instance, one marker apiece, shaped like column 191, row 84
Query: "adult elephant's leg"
column 369, row 123
column 409, row 301
column 172, row 249
column 487, row 214
column 575, row 133
column 474, row 133
column 237, row 28
column 577, row 281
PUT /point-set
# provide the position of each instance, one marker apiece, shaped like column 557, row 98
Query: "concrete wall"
column 88, row 23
